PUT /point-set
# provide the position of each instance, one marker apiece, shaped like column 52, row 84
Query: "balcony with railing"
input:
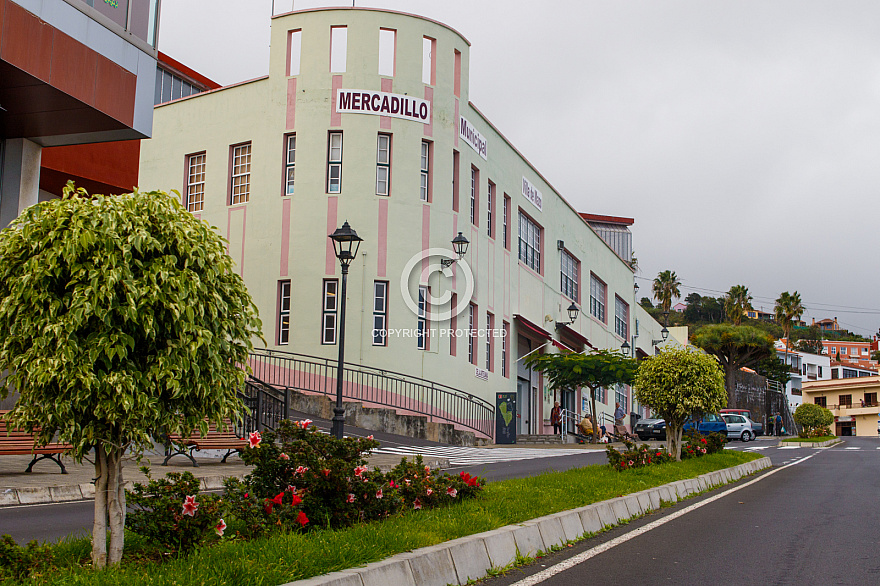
column 860, row 408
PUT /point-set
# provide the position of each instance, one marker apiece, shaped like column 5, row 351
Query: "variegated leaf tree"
column 120, row 317
column 679, row 383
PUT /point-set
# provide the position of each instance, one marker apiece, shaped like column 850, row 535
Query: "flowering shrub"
column 636, row 456
column 18, row 561
column 256, row 516
column 420, row 488
column 171, row 513
column 697, row 444
column 821, row 431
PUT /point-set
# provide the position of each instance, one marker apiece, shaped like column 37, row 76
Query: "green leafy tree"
column 679, row 383
column 788, row 309
column 736, row 302
column 811, row 416
column 666, row 289
column 809, row 340
column 120, row 317
column 693, row 313
column 600, row 368
column 646, row 303
column 774, row 369
column 734, row 347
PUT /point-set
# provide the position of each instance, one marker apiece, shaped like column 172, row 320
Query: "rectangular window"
column 505, row 218
column 472, row 338
column 380, row 313
column 422, row 333
column 428, row 66
column 505, row 331
column 294, row 51
column 870, row 399
column 425, row 172
column 490, row 203
column 820, row 372
column 456, row 74
column 821, row 401
column 569, row 276
column 383, row 165
column 334, row 163
column 846, row 400
column 621, row 397
column 329, row 311
column 843, row 350
column 621, row 318
column 387, row 48
column 283, row 312
column 529, row 243
column 240, row 180
column 597, row 298
column 455, row 165
column 475, row 195
column 490, row 339
column 195, row 182
column 338, row 48
column 289, row 163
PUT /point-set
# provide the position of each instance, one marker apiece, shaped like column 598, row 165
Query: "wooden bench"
column 217, row 439
column 14, row 442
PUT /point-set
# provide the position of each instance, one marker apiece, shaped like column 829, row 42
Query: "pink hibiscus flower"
column 451, row 492
column 301, row 470
column 350, row 498
column 220, row 527
column 305, row 423
column 254, row 439
column 379, row 494
column 302, row 519
column 429, row 491
column 360, row 470
column 283, row 456
column 417, row 504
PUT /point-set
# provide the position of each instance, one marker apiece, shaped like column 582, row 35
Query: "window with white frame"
column 428, row 60
column 597, row 298
column 294, row 51
column 289, row 164
column 621, row 397
column 621, row 318
column 505, row 328
column 529, row 243
column 195, row 182
column 422, row 332
column 338, row 48
column 329, row 312
column 383, row 164
column 490, row 325
column 490, row 204
column 505, row 219
column 240, row 179
column 843, row 349
column 425, row 170
column 283, row 312
column 475, row 180
column 569, row 276
column 387, row 46
column 334, row 163
column 380, row 313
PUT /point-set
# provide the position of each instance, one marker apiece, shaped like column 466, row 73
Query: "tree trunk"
column 673, row 441
column 595, row 439
column 116, row 506
column 99, row 528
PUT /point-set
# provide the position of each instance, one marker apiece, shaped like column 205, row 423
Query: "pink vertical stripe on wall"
column 387, row 86
column 454, row 234
column 383, row 237
column 429, row 97
column 332, row 205
column 335, row 117
column 474, row 253
column 285, row 237
column 291, row 103
column 457, row 122
column 490, row 254
column 426, row 240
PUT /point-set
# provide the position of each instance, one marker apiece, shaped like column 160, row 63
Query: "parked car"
column 706, row 424
column 738, row 427
column 651, row 429
column 757, row 427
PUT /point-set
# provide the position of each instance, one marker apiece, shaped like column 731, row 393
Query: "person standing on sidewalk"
column 778, row 424
column 556, row 418
column 619, row 414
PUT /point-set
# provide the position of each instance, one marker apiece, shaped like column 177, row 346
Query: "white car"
column 738, row 427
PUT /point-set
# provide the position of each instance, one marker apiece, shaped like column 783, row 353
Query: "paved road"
column 812, row 519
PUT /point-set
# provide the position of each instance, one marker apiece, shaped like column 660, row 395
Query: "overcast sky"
column 743, row 136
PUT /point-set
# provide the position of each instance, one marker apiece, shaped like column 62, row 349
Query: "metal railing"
column 267, row 406
column 288, row 370
column 570, row 420
column 860, row 405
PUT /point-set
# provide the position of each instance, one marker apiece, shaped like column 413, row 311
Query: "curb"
column 824, row 444
column 470, row 558
column 83, row 492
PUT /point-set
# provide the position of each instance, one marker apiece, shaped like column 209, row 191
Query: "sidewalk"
column 46, row 484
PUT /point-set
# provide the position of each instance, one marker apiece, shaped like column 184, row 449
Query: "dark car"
column 706, row 424
column 650, row 429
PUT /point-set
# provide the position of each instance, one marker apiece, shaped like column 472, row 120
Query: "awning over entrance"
column 540, row 332
column 575, row 335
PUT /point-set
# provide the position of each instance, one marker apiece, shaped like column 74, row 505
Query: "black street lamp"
column 664, row 333
column 344, row 239
column 460, row 246
column 572, row 316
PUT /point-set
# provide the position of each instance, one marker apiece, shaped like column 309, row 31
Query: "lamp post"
column 664, row 333
column 572, row 316
column 460, row 246
column 344, row 239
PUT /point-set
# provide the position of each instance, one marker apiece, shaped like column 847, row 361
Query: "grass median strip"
column 288, row 557
column 806, row 440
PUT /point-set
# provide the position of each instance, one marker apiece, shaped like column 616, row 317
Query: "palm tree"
column 789, row 308
column 666, row 289
column 738, row 300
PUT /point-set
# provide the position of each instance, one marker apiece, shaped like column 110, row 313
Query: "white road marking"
column 467, row 456
column 584, row 556
column 852, row 448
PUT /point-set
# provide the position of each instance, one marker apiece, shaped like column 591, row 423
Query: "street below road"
column 809, row 520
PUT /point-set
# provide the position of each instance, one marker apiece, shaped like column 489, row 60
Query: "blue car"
column 708, row 423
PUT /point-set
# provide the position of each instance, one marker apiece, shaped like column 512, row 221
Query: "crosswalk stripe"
column 463, row 455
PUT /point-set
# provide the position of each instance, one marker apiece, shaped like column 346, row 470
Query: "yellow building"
column 853, row 401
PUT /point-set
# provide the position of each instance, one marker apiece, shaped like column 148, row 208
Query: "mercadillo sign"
column 383, row 104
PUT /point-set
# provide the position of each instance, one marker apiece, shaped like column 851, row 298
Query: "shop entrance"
column 845, row 428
